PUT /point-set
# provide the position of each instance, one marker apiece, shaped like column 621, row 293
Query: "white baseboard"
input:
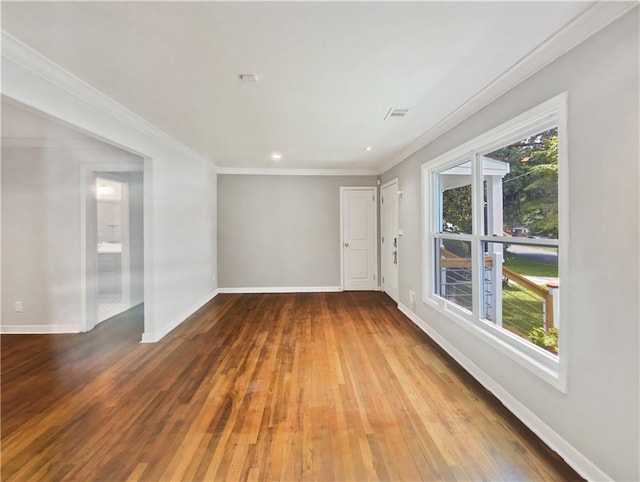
column 281, row 289
column 568, row 452
column 157, row 335
column 38, row 329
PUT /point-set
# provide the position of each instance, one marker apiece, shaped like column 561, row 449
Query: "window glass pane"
column 453, row 272
column 454, row 191
column 521, row 187
column 521, row 291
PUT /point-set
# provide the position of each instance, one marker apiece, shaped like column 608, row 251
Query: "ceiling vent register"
column 395, row 114
column 248, row 78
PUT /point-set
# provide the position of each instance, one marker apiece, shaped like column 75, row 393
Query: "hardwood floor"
column 318, row 386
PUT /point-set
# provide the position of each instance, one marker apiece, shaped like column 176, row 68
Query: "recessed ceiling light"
column 276, row 156
column 368, row 148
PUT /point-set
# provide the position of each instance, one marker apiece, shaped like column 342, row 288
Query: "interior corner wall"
column 599, row 415
column 136, row 236
column 281, row 231
column 179, row 187
column 41, row 234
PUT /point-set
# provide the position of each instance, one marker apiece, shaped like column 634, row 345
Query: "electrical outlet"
column 412, row 297
column 18, row 306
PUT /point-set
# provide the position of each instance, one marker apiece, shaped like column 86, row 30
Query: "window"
column 492, row 237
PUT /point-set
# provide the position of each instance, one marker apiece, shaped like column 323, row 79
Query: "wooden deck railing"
column 452, row 260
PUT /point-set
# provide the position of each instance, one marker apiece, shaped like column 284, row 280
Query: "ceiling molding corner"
column 30, row 59
column 588, row 23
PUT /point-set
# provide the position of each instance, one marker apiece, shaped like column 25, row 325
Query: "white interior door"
column 359, row 235
column 389, row 238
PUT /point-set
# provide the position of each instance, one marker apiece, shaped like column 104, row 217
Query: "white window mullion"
column 477, row 216
column 436, row 209
column 477, row 194
column 430, row 220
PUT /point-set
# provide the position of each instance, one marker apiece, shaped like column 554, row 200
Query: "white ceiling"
column 329, row 71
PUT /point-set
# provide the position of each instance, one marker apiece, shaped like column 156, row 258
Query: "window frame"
column 552, row 113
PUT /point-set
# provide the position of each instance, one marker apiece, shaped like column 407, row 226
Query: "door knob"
column 346, row 245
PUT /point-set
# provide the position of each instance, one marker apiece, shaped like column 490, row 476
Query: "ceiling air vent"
column 248, row 78
column 395, row 114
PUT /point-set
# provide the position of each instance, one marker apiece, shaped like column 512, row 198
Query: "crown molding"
column 592, row 20
column 267, row 171
column 30, row 59
column 53, row 143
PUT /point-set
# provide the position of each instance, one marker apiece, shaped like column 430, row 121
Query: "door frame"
column 374, row 191
column 387, row 184
column 89, row 267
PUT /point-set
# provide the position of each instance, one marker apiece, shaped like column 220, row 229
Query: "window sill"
column 538, row 361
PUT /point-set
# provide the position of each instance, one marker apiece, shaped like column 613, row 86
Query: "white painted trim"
column 341, row 247
column 568, row 452
column 87, row 172
column 88, row 144
column 538, row 117
column 157, row 335
column 33, row 61
column 148, row 246
column 553, row 112
column 248, row 171
column 56, row 328
column 1, row 298
column 389, row 183
column 529, row 356
column 397, row 227
column 564, row 274
column 283, row 289
column 592, row 20
column 99, row 117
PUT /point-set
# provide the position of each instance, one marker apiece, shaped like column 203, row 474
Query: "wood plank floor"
column 318, row 386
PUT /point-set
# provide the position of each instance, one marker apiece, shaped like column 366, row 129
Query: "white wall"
column 136, row 236
column 179, row 185
column 41, row 234
column 281, row 231
column 599, row 415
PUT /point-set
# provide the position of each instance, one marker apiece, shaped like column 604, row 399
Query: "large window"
column 492, row 237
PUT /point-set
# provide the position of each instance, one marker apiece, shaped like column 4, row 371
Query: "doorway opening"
column 113, row 245
column 114, row 236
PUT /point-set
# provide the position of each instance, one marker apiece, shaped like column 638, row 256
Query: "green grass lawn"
column 521, row 310
column 529, row 267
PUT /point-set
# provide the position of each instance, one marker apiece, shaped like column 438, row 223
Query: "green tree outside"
column 530, row 190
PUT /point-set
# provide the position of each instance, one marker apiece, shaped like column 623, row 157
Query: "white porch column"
column 495, row 251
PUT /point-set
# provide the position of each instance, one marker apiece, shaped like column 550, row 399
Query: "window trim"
column 553, row 112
